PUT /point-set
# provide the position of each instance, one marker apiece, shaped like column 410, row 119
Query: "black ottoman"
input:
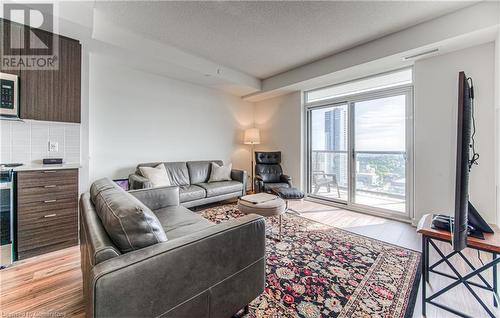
column 288, row 194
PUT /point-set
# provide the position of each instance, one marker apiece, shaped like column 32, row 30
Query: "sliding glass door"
column 380, row 154
column 359, row 151
column 329, row 168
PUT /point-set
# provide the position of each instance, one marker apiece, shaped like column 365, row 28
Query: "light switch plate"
column 53, row 146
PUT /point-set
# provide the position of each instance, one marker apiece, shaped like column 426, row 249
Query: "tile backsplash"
column 28, row 141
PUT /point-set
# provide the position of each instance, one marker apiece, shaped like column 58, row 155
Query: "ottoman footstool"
column 289, row 194
column 263, row 204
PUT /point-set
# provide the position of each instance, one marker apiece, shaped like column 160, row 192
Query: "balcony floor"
column 380, row 201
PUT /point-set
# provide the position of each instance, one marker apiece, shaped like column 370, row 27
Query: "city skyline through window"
column 373, row 172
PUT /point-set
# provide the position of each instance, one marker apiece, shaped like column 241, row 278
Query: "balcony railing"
column 377, row 172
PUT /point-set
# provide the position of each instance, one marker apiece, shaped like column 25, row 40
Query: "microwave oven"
column 9, row 103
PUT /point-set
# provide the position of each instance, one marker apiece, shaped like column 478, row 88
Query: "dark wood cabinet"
column 47, row 211
column 54, row 95
column 67, row 82
column 50, row 95
column 36, row 92
column 11, row 33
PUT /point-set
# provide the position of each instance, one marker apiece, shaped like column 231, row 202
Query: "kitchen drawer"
column 47, row 195
column 28, row 208
column 49, row 188
column 45, row 219
column 47, row 249
column 40, row 237
column 33, row 179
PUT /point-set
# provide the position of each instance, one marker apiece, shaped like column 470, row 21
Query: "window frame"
column 350, row 100
column 332, row 99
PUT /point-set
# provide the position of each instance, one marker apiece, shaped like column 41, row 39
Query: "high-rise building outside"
column 336, row 140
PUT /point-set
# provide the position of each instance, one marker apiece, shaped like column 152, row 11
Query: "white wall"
column 280, row 121
column 435, row 130
column 84, row 172
column 140, row 117
column 497, row 123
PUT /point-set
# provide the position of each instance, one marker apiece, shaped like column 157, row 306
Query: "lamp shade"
column 252, row 136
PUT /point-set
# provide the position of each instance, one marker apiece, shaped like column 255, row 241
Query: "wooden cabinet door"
column 36, row 97
column 53, row 95
column 10, row 33
column 67, row 82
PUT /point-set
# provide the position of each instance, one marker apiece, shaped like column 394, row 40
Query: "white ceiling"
column 263, row 39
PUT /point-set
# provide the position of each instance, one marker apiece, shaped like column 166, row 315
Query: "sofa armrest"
column 157, row 198
column 136, row 181
column 202, row 267
column 242, row 176
column 286, row 178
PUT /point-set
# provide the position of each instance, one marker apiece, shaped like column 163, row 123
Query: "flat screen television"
column 464, row 128
column 466, row 220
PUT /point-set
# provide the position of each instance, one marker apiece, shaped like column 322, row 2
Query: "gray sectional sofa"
column 192, row 179
column 144, row 255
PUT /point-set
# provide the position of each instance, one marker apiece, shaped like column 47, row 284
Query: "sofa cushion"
column 191, row 193
column 269, row 186
column 223, row 187
column 178, row 221
column 177, row 171
column 157, row 175
column 220, row 172
column 129, row 223
column 199, row 171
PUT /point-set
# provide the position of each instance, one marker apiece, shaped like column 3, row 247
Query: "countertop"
column 35, row 167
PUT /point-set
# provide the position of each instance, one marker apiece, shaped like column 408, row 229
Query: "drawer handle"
column 49, row 201
column 50, row 171
column 50, row 186
column 50, row 215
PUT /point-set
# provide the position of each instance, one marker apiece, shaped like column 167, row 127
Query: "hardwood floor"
column 50, row 285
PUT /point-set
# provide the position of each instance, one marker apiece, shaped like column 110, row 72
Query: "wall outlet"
column 53, row 146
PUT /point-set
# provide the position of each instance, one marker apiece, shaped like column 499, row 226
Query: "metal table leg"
column 459, row 279
column 425, row 274
column 495, row 282
column 427, row 257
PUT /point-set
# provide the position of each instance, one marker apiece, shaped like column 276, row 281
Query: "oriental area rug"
column 321, row 271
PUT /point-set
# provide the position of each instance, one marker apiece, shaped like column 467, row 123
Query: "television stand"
column 490, row 244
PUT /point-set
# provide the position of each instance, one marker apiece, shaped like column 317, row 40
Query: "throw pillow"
column 157, row 175
column 220, row 173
